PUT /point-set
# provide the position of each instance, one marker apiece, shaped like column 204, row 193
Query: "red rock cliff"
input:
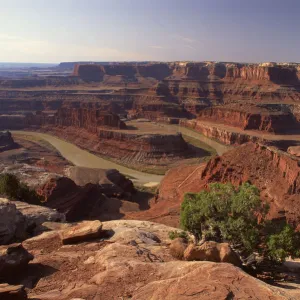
column 86, row 118
column 276, row 122
column 274, row 172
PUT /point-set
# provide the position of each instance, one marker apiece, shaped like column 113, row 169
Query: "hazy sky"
column 107, row 30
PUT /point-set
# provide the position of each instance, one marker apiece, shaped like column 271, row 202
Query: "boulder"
column 148, row 237
column 36, row 215
column 12, row 222
column 294, row 150
column 12, row 292
column 82, row 232
column 212, row 251
column 177, row 247
column 13, row 259
column 6, row 141
column 111, row 181
column 48, row 226
column 20, row 220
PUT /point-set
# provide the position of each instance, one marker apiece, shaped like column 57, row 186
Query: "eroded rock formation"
column 274, row 172
column 6, row 141
column 123, row 265
column 20, row 220
column 100, row 199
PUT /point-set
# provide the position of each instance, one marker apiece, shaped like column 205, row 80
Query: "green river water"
column 83, row 158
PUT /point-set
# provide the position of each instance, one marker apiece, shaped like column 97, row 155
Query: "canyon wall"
column 133, row 150
column 218, row 133
column 89, row 119
column 201, row 71
column 275, row 122
column 274, row 172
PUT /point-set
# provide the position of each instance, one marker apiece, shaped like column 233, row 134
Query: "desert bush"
column 224, row 213
column 178, row 234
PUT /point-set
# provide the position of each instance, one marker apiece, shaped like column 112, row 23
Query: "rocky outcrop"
column 19, row 220
column 275, row 122
column 274, row 172
column 177, row 247
column 113, row 183
column 294, row 150
column 13, row 259
column 12, row 292
column 217, row 132
column 90, row 119
column 12, row 122
column 102, row 200
column 280, row 74
column 6, row 141
column 155, row 110
column 93, row 72
column 202, row 71
column 122, row 265
column 36, row 215
column 212, row 251
column 12, row 222
column 82, row 232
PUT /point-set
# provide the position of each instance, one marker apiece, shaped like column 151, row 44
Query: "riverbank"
column 83, row 158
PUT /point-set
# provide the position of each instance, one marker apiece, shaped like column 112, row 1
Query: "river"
column 83, row 158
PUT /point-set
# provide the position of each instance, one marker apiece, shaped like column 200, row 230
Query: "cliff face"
column 138, row 150
column 274, row 172
column 86, row 118
column 276, row 122
column 89, row 72
column 202, row 71
column 89, row 119
column 90, row 200
column 221, row 134
column 154, row 110
column 273, row 73
column 94, row 72
column 12, row 122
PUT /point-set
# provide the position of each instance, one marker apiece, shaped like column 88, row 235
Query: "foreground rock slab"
column 12, row 292
column 20, row 220
column 127, row 266
column 81, row 232
column 13, row 259
column 11, row 222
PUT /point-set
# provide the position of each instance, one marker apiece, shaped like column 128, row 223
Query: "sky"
column 51, row 31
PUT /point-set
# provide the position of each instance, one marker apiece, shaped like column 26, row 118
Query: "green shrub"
column 13, row 189
column 284, row 244
column 9, row 186
column 236, row 215
column 178, row 234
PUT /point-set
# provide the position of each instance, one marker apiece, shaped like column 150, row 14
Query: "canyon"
column 146, row 120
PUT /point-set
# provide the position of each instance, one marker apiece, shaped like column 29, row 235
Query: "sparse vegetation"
column 178, row 234
column 13, row 189
column 238, row 216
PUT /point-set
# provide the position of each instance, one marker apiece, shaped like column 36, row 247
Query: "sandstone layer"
column 274, row 172
column 123, row 265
